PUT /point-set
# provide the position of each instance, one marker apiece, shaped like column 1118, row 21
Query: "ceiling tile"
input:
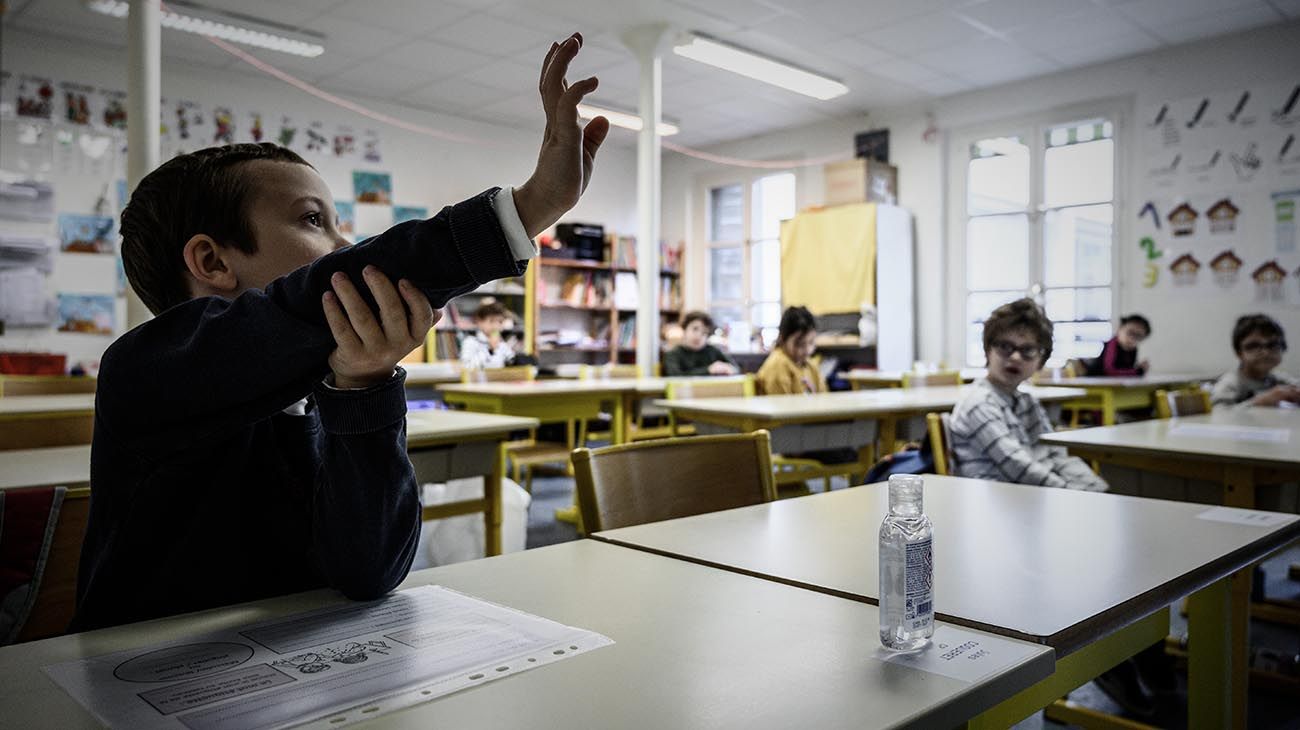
column 492, row 35
column 1290, row 8
column 943, row 86
column 1153, row 15
column 284, row 13
column 408, row 16
column 356, row 37
column 914, row 36
column 455, row 94
column 435, row 60
column 905, row 71
column 989, row 61
column 1104, row 49
column 856, row 17
column 1095, row 26
column 1213, row 24
column 506, row 75
column 371, row 78
column 857, row 52
column 1005, row 15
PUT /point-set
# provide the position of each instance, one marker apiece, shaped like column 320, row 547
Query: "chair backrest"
column 56, row 597
column 937, row 425
column 1186, row 402
column 512, row 374
column 649, row 481
column 710, row 388
column 927, row 380
column 609, row 370
column 45, row 384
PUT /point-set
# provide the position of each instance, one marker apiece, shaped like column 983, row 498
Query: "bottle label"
column 918, row 583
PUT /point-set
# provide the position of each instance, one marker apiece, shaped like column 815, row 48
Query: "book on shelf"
column 670, row 293
column 446, row 346
column 626, row 294
column 627, row 333
column 670, row 256
column 584, row 289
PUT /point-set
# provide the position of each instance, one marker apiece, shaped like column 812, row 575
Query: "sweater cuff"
column 482, row 244
column 349, row 412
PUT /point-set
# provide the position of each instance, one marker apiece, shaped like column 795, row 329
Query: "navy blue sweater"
column 204, row 493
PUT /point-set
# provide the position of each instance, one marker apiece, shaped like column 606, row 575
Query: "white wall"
column 425, row 172
column 1190, row 333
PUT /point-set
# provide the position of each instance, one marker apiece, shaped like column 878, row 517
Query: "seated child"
column 250, row 440
column 1119, row 357
column 487, row 348
column 1259, row 342
column 995, row 429
column 695, row 356
column 787, row 368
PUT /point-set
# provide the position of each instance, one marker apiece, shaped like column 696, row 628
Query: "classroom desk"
column 431, row 373
column 1111, row 395
column 34, row 421
column 855, row 420
column 868, row 379
column 55, row 466
column 1088, row 574
column 694, row 647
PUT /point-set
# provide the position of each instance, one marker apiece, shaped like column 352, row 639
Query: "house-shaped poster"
column 1223, row 216
column 1268, row 281
column 1182, row 220
column 1226, row 267
column 1185, row 268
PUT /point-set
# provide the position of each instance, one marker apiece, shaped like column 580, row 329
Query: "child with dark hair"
column 1119, row 356
column 1259, row 342
column 250, row 440
column 995, row 429
column 787, row 368
column 695, row 356
column 487, row 348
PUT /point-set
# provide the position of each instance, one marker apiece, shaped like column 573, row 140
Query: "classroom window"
column 1040, row 223
column 745, row 253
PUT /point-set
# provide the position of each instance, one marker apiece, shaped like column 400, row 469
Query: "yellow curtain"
column 828, row 258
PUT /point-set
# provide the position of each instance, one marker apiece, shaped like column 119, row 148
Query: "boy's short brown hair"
column 491, row 308
column 1022, row 314
column 1250, row 324
column 698, row 316
column 204, row 192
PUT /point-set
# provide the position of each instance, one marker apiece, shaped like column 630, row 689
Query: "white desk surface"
column 541, row 388
column 1151, row 380
column 1054, row 566
column 26, row 405
column 1153, row 437
column 845, row 404
column 895, row 377
column 428, row 373
column 695, row 647
column 447, row 424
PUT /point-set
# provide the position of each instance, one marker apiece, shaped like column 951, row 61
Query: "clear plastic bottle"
column 906, row 568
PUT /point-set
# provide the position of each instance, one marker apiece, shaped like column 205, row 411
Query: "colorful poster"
column 121, row 278
column 123, row 195
column 35, row 97
column 75, row 103
column 223, row 121
column 372, row 187
column 90, row 314
column 403, row 213
column 288, row 132
column 1284, row 204
column 255, row 129
column 347, row 217
column 85, row 233
column 316, row 140
column 371, row 151
column 114, row 113
column 345, row 142
column 186, row 115
column 1269, row 280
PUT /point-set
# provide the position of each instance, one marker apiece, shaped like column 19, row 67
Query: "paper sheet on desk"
column 410, row 647
column 1230, row 432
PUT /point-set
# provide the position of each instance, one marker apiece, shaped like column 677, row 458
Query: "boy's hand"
column 568, row 150
column 718, row 367
column 1275, row 395
column 369, row 348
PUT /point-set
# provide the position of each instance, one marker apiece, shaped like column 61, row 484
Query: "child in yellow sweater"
column 788, row 368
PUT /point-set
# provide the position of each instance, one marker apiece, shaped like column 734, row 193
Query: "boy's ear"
column 206, row 262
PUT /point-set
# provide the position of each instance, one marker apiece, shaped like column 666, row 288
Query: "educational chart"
column 410, row 647
column 1220, row 179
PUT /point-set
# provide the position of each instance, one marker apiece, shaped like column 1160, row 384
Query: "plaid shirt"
column 995, row 436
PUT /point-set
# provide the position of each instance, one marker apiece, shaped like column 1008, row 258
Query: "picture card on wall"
column 403, row 213
column 85, row 233
column 372, row 187
column 223, row 121
column 91, row 314
column 75, row 103
column 35, row 97
column 347, row 213
column 114, row 111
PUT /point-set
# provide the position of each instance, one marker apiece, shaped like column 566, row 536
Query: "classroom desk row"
column 765, row 617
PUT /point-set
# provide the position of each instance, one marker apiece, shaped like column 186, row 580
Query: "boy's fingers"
column 593, row 135
column 541, row 78
column 553, row 78
column 391, row 312
column 567, row 110
column 344, row 337
column 422, row 313
column 358, row 312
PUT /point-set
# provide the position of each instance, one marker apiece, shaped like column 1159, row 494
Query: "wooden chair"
column 637, row 430
column 45, row 384
column 742, row 387
column 937, row 425
column 524, row 454
column 691, row 476
column 931, row 380
column 1186, row 402
column 56, row 596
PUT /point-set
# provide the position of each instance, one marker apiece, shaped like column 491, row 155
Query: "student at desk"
column 788, row 368
column 695, row 356
column 1119, row 356
column 487, row 348
column 1259, row 342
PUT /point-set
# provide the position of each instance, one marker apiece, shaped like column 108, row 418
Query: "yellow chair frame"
column 1185, row 402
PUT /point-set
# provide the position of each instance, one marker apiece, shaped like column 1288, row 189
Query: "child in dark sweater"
column 1119, row 357
column 250, row 440
column 695, row 356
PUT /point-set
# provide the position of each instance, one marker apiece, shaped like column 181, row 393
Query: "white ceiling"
column 479, row 58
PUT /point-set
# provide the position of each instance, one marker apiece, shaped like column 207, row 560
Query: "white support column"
column 144, row 72
column 646, row 43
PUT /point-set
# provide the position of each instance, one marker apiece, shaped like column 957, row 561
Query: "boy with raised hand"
column 250, row 440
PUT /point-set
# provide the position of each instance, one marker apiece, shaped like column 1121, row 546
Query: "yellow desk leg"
column 492, row 515
column 1107, row 407
column 617, row 435
column 888, row 435
column 1218, row 640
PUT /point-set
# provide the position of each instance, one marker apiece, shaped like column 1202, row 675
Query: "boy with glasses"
column 1259, row 343
column 995, row 429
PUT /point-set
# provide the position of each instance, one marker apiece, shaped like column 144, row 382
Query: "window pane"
column 997, row 252
column 998, row 176
column 773, row 202
column 979, row 305
column 1077, row 246
column 1079, row 173
column 1078, row 339
column 765, row 270
column 766, row 316
column 1067, row 305
column 726, row 273
column 727, row 213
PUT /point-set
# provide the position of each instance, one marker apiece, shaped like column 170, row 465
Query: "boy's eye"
column 314, row 219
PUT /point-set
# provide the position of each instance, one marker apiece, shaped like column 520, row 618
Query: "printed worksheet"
column 406, row 648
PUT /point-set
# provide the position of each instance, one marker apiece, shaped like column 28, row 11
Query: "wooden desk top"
column 20, row 406
column 895, row 377
column 444, row 425
column 542, row 388
column 1163, row 438
column 844, row 404
column 1153, row 380
column 57, row 466
column 1054, row 566
column 431, row 373
column 695, row 647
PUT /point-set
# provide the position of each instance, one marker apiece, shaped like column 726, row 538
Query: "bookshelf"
column 585, row 311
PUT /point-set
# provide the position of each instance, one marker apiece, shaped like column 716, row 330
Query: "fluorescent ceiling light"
column 756, row 66
column 226, row 26
column 624, row 119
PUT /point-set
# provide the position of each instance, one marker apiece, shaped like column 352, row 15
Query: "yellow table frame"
column 1110, row 399
column 438, row 459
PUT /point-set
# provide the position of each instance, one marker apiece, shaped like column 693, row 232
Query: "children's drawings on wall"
column 1284, row 203
column 114, row 113
column 1269, row 279
column 35, row 97
column 403, row 213
column 85, row 233
column 347, row 224
column 256, row 131
column 223, row 123
column 87, row 314
column 1226, row 267
column 1222, row 217
column 1182, row 220
column 372, row 187
column 1185, row 270
column 371, row 151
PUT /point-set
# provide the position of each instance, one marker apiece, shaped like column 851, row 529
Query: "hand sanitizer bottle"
column 906, row 568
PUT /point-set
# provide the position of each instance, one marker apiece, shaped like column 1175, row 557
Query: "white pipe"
column 144, row 73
